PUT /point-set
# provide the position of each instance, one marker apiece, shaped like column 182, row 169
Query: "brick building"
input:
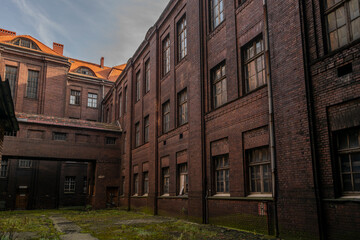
column 242, row 113
column 245, row 114
column 62, row 144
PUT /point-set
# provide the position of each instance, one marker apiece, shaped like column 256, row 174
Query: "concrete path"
column 71, row 230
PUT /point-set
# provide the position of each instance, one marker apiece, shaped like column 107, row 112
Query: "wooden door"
column 21, row 201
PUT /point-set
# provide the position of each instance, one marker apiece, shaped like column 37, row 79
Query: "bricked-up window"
column 145, row 183
column 32, row 84
column 182, row 39
column 122, row 190
column 222, row 174
column 125, row 99
column 137, row 134
column 110, row 140
column 138, row 83
column 92, row 100
column 165, row 180
column 343, row 22
column 146, row 129
column 11, row 75
column 74, row 97
column 120, row 105
column 219, row 85
column 25, row 163
column 254, row 65
column 166, row 117
column 3, row 168
column 136, row 184
column 348, row 151
column 182, row 107
column 183, row 179
column 58, row 136
column 69, row 185
column 147, row 76
column 259, row 170
column 166, row 55
column 216, row 12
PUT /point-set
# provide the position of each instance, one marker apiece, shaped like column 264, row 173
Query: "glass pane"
column 353, row 139
column 340, row 17
column 356, row 182
column 334, row 43
column 355, row 162
column 347, row 182
column 354, row 9
column 342, row 33
column 355, row 28
column 345, row 163
column 331, row 21
column 251, row 52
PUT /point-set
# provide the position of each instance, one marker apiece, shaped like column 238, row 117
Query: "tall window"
column 3, row 168
column 147, row 76
column 125, row 99
column 166, row 117
column 217, row 12
column 146, row 129
column 222, row 174
column 219, row 86
column 136, row 184
column 120, row 105
column 254, row 65
column 348, row 149
column 32, row 84
column 343, row 22
column 138, row 79
column 11, row 75
column 137, row 134
column 259, row 170
column 182, row 39
column 182, row 107
column 24, row 163
column 145, row 183
column 69, row 185
column 166, row 55
column 183, row 179
column 92, row 100
column 74, row 97
column 165, row 180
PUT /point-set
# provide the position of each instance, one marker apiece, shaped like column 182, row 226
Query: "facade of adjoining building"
column 242, row 113
column 62, row 143
column 245, row 113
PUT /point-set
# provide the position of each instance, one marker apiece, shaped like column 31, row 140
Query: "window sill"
column 69, row 192
column 259, row 195
column 255, row 90
column 165, row 75
column 262, row 198
column 353, row 198
column 172, row 197
column 222, row 195
column 92, row 107
column 137, row 196
column 180, row 62
column 75, row 105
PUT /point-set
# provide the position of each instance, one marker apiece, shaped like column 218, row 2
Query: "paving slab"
column 71, row 230
column 77, row 236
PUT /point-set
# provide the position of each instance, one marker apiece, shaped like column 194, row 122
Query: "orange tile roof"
column 43, row 47
column 108, row 73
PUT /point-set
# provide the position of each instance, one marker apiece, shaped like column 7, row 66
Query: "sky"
column 89, row 29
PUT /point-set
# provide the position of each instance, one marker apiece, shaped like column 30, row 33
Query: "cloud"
column 43, row 25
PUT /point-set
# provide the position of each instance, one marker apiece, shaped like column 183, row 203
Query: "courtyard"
column 108, row 224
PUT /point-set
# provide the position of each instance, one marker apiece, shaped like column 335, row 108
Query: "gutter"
column 271, row 116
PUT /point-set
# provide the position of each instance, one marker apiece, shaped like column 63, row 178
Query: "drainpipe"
column 203, row 137
column 129, row 133
column 157, row 93
column 311, row 118
column 271, row 116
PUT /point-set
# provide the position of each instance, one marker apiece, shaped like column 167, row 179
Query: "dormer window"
column 23, row 42
column 85, row 71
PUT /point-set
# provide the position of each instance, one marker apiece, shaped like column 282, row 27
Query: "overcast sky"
column 89, row 29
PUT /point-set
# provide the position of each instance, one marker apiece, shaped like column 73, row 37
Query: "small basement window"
column 344, row 70
column 110, row 140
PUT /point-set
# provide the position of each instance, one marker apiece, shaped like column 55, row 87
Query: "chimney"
column 102, row 62
column 58, row 48
column 4, row 32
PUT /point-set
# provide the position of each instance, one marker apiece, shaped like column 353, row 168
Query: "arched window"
column 85, row 71
column 24, row 42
